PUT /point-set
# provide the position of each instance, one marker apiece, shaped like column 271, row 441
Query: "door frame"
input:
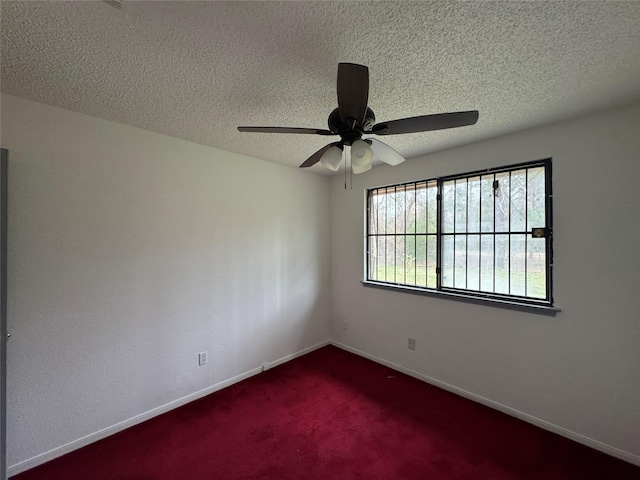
column 4, row 169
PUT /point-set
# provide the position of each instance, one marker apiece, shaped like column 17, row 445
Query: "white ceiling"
column 197, row 70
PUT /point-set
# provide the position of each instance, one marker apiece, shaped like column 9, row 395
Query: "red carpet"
column 333, row 415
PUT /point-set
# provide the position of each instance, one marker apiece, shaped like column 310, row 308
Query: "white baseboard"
column 287, row 358
column 94, row 437
column 118, row 427
column 590, row 442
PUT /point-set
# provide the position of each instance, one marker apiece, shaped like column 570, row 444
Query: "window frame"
column 543, row 306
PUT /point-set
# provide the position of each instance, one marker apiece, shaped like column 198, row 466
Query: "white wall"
column 129, row 252
column 578, row 371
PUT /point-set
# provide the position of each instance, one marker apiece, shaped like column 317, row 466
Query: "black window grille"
column 485, row 234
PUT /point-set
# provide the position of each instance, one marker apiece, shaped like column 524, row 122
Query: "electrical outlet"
column 412, row 343
column 344, row 325
column 202, row 358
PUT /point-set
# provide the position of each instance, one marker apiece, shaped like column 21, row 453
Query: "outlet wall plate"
column 202, row 358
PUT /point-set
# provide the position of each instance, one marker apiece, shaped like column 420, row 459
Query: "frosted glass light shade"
column 332, row 158
column 361, row 155
column 357, row 169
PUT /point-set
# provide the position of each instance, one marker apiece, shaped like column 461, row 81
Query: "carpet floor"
column 333, row 415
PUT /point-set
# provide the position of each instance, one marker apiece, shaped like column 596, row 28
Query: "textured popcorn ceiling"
column 197, row 70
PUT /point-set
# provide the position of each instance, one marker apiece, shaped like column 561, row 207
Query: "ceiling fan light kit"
column 361, row 153
column 332, row 158
column 356, row 169
column 353, row 119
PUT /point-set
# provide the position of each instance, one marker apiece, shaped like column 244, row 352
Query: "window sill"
column 478, row 300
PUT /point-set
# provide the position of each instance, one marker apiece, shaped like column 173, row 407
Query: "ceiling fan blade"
column 426, row 123
column 315, row 158
column 384, row 152
column 353, row 92
column 312, row 131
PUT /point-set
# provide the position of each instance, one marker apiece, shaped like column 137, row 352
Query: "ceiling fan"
column 353, row 119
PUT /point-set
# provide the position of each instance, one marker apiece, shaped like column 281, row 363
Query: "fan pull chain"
column 344, row 155
column 347, row 167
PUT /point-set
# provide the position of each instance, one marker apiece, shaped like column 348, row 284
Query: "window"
column 483, row 235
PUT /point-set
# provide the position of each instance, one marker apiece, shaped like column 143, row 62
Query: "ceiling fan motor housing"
column 353, row 119
column 348, row 133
